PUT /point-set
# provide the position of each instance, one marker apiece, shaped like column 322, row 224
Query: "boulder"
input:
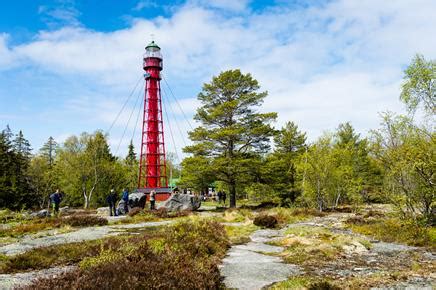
column 180, row 201
column 136, row 199
column 40, row 214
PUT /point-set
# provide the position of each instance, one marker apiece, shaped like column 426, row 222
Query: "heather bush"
column 84, row 221
column 265, row 221
column 134, row 211
column 182, row 256
column 163, row 213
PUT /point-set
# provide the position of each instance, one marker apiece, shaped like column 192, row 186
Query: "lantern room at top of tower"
column 152, row 50
column 152, row 60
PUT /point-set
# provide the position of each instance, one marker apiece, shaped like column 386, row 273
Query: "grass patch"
column 237, row 215
column 31, row 226
column 292, row 283
column 305, row 282
column 185, row 255
column 41, row 224
column 240, row 234
column 314, row 246
column 57, row 255
column 395, row 230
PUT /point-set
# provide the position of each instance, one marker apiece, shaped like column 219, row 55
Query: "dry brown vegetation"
column 265, row 221
column 183, row 256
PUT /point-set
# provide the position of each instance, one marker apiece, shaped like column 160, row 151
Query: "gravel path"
column 28, row 243
column 245, row 267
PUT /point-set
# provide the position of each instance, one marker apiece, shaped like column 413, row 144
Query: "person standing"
column 152, row 199
column 111, row 199
column 224, row 196
column 220, row 196
column 126, row 200
column 55, row 200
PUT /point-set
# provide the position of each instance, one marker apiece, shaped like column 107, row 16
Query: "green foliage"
column 87, row 170
column 419, row 87
column 232, row 132
column 406, row 152
column 15, row 184
column 197, row 173
column 337, row 169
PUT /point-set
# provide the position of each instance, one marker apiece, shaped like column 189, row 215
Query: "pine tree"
column 232, row 132
column 131, row 155
column 48, row 150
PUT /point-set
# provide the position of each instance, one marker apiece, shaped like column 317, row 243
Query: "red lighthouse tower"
column 152, row 163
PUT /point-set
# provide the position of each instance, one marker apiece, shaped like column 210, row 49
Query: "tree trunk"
column 232, row 188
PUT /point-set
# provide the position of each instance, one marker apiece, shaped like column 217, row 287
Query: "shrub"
column 163, row 213
column 84, row 221
column 182, row 256
column 265, row 221
column 134, row 211
column 323, row 285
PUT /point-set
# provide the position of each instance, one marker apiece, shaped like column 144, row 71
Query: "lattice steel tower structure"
column 152, row 163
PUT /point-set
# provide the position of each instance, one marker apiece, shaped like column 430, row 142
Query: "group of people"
column 221, row 196
column 112, row 199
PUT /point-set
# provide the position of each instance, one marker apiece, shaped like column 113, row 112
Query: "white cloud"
column 229, row 5
column 142, row 4
column 340, row 61
column 7, row 57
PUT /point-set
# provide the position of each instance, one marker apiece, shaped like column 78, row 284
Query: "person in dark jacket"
column 152, row 200
column 224, row 196
column 55, row 200
column 111, row 199
column 126, row 200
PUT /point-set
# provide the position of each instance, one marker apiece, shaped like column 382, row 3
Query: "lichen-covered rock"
column 179, row 202
column 136, row 199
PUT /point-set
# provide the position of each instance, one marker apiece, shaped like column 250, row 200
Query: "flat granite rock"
column 245, row 269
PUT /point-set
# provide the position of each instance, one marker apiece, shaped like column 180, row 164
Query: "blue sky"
column 68, row 66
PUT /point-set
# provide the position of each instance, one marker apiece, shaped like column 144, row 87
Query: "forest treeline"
column 237, row 149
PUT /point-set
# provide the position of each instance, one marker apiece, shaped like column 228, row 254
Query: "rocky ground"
column 302, row 250
column 321, row 247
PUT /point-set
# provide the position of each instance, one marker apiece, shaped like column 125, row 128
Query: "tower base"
column 162, row 193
